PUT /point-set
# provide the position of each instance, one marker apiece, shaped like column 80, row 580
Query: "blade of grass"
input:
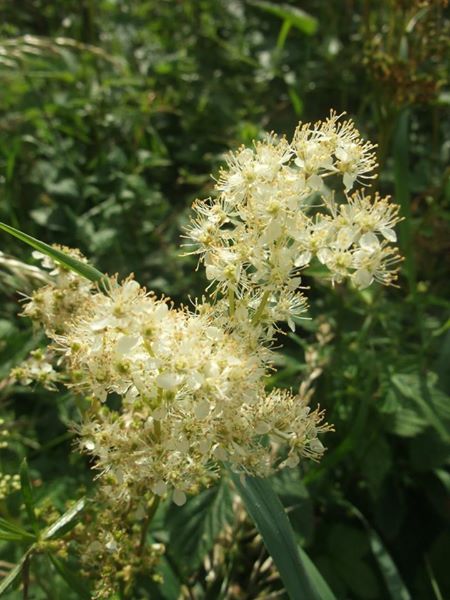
column 271, row 520
column 14, row 573
column 83, row 269
column 319, row 582
column 11, row 529
column 65, row 521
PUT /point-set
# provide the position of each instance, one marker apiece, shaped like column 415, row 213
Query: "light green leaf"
column 294, row 16
column 65, row 522
column 69, row 262
column 269, row 516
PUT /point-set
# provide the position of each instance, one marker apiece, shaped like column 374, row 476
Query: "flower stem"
column 231, row 301
column 259, row 311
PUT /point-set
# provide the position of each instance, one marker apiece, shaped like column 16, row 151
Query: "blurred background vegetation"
column 113, row 115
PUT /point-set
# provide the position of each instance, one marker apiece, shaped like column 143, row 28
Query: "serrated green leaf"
column 406, row 423
column 271, row 520
column 426, row 397
column 14, row 573
column 195, row 526
column 69, row 262
column 27, row 494
column 295, row 16
column 65, row 522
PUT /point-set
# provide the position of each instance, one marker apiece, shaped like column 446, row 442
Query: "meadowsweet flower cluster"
column 276, row 211
column 192, row 394
column 173, row 393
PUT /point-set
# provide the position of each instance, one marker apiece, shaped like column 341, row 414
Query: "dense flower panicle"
column 274, row 214
column 192, row 393
column 191, row 383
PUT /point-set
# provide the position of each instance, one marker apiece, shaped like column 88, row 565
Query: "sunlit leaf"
column 66, row 521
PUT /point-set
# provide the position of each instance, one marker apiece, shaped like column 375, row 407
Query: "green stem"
column 26, row 578
column 285, row 28
column 261, row 307
column 157, row 429
column 231, row 301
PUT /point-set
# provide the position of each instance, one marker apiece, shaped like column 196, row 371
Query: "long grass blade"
column 269, row 516
column 14, row 573
column 69, row 262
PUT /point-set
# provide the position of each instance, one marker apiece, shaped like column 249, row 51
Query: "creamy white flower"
column 277, row 216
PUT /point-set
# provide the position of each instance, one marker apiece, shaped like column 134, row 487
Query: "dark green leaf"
column 391, row 576
column 195, row 526
column 294, row 496
column 27, row 494
column 319, row 582
column 73, row 580
column 170, row 587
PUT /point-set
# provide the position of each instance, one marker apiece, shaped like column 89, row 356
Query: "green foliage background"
column 113, row 116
